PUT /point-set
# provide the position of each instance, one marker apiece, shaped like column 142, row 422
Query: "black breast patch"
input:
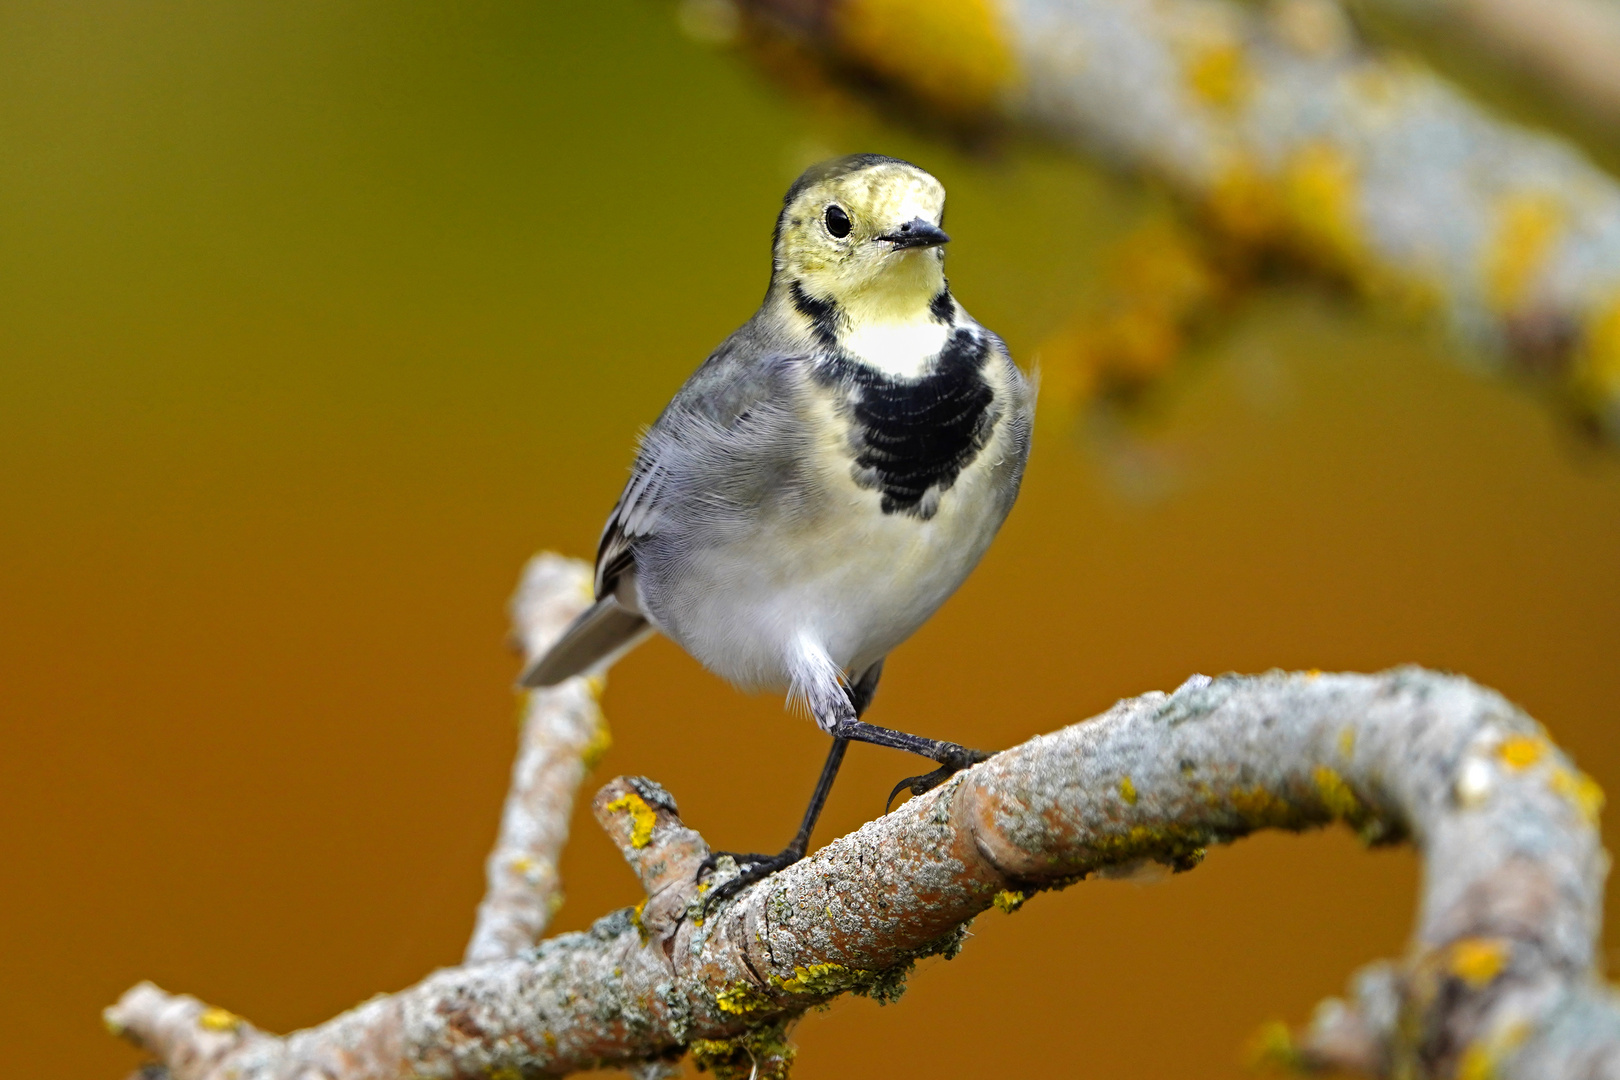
column 913, row 436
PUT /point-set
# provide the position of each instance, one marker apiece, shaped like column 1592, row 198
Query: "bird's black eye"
column 837, row 221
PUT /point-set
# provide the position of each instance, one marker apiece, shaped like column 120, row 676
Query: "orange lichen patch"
column 217, row 1019
column 1127, row 790
column 642, row 817
column 1319, row 195
column 1336, row 794
column 1220, row 75
column 1528, row 225
column 1581, row 790
column 952, row 53
column 1521, row 751
column 1477, row 961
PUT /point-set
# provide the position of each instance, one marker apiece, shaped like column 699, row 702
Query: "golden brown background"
column 317, row 318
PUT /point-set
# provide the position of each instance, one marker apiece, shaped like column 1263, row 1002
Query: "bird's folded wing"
column 708, row 446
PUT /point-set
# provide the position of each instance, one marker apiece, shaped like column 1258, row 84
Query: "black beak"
column 916, row 233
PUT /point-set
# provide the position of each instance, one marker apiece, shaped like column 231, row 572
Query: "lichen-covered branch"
column 1501, row 980
column 1287, row 133
column 563, row 735
column 1570, row 46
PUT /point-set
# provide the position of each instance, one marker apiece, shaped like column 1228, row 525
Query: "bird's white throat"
column 899, row 347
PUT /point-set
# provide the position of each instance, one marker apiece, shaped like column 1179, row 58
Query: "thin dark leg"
column 753, row 867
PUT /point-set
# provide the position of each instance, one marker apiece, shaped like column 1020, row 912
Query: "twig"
column 563, row 735
column 1501, row 978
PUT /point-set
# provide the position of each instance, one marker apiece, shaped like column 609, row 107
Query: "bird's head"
column 863, row 232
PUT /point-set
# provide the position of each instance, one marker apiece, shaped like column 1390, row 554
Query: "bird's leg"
column 753, row 867
column 952, row 758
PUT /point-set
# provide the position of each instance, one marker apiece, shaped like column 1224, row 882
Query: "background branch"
column 1286, row 134
column 563, row 735
column 1502, row 974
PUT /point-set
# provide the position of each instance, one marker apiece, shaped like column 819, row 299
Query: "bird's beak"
column 916, row 233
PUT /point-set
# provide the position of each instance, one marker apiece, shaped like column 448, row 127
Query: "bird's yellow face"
column 867, row 239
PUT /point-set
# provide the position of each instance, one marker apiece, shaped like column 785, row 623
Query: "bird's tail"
column 605, row 632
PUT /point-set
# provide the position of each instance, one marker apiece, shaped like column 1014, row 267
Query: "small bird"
column 824, row 481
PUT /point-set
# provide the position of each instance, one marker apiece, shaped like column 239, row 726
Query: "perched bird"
column 825, row 480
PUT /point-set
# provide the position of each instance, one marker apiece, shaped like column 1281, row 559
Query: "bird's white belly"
column 845, row 575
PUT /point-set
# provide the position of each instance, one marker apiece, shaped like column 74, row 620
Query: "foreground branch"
column 1501, row 979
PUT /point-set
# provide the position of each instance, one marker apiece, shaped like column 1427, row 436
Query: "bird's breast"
column 909, row 439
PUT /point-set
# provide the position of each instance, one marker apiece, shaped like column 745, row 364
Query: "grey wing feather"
column 697, row 434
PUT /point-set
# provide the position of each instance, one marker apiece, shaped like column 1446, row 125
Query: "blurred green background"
column 316, row 319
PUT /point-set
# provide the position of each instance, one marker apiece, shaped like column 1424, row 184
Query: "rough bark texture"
column 1502, row 978
column 563, row 735
column 1287, row 133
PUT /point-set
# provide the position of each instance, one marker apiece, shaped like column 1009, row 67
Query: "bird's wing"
column 702, row 453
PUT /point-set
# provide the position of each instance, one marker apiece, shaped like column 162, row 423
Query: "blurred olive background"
column 316, row 319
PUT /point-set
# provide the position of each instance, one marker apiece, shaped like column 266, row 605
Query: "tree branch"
column 1286, row 133
column 563, row 736
column 1502, row 971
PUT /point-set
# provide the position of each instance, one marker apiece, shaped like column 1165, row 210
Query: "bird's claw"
column 955, row 759
column 751, row 867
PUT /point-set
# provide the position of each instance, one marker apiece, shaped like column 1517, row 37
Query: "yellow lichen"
column 741, row 999
column 1478, row 960
column 1272, row 1047
column 551, row 1040
column 601, row 741
column 1476, row 1063
column 636, row 921
column 1127, row 790
column 1320, row 192
column 1009, row 900
column 217, row 1019
column 642, row 817
column 1597, row 369
column 1259, row 807
column 505, row 1073
column 1347, row 742
column 1220, row 75
column 952, row 53
column 1336, row 794
column 1528, row 225
column 1521, row 751
column 1581, row 790
column 822, row 979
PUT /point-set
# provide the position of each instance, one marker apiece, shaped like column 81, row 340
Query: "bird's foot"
column 952, row 760
column 751, row 867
